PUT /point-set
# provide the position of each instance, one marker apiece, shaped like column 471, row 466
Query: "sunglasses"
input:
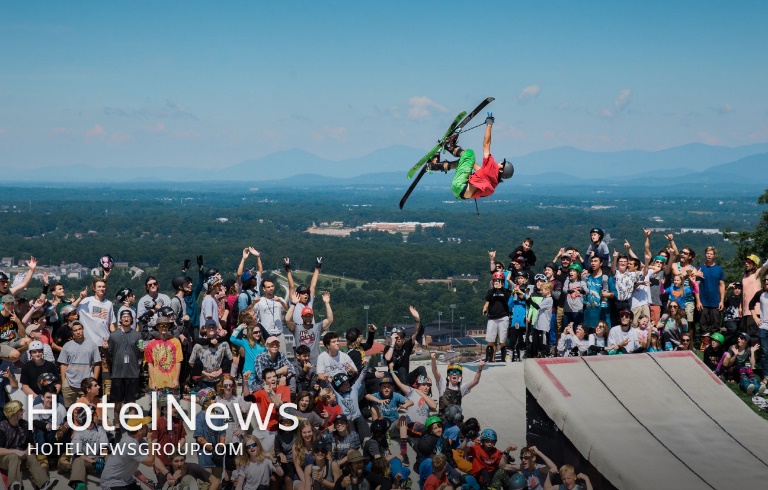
column 525, row 458
column 685, row 252
column 150, row 284
column 685, row 340
column 250, row 446
column 452, row 372
column 624, row 315
column 228, row 385
column 673, row 306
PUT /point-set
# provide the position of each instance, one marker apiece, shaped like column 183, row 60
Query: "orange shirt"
column 263, row 402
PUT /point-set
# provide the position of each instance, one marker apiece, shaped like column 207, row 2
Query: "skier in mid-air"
column 472, row 181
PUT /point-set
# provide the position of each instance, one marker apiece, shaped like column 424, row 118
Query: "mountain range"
column 691, row 164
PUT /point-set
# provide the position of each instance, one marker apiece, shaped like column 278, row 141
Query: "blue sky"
column 209, row 84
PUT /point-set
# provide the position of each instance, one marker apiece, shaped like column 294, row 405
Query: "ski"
column 424, row 162
column 438, row 146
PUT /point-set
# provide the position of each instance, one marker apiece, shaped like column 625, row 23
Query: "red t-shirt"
column 433, row 481
column 333, row 412
column 482, row 459
column 486, row 178
column 263, row 402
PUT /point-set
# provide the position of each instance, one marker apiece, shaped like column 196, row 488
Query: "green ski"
column 438, row 146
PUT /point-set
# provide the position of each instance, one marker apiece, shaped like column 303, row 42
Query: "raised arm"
column 476, row 380
column 435, row 372
column 417, row 328
column 487, row 140
column 328, row 311
column 289, row 275
column 32, row 262
column 492, row 256
column 289, row 314
column 241, row 266
column 315, row 275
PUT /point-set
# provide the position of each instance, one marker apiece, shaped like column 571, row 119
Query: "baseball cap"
column 9, row 298
column 272, row 339
column 126, row 313
column 246, row 276
column 341, row 418
column 386, row 379
column 306, row 311
column 133, row 425
column 745, row 336
column 208, row 323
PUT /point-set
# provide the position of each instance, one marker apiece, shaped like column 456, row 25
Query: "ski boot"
column 436, row 165
column 504, row 354
column 451, row 143
column 489, row 353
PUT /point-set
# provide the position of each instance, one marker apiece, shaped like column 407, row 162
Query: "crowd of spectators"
column 225, row 340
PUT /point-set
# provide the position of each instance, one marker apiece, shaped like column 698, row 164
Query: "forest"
column 163, row 225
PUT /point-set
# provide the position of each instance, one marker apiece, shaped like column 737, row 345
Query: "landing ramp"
column 661, row 420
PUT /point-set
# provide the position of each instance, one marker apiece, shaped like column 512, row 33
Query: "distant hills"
column 693, row 164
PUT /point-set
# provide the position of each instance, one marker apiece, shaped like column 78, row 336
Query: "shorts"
column 7, row 348
column 497, row 328
column 463, row 171
column 125, row 390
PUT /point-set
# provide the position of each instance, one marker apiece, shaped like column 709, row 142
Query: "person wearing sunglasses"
column 152, row 301
column 324, row 473
column 535, row 474
column 449, row 388
column 255, row 466
column 623, row 338
column 673, row 325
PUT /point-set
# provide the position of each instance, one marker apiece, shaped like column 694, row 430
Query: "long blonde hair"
column 248, row 318
column 244, row 459
column 299, row 451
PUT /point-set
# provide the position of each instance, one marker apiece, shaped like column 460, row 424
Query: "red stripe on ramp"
column 695, row 357
column 543, row 364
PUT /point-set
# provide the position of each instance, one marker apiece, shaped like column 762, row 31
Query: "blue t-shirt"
column 202, row 429
column 709, row 286
column 389, row 411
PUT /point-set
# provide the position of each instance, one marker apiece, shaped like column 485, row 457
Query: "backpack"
column 234, row 312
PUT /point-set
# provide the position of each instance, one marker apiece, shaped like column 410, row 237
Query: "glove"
column 489, row 120
column 98, row 467
column 318, row 263
column 287, row 264
column 199, row 260
column 187, row 263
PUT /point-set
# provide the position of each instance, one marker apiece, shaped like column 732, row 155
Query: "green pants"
column 463, row 171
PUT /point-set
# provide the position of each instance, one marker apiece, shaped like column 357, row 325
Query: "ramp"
column 661, row 421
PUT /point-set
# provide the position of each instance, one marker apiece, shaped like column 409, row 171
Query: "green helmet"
column 717, row 336
column 432, row 420
column 576, row 267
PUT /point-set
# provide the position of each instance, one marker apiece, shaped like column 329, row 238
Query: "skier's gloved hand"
column 318, row 263
column 490, row 119
column 187, row 263
column 199, row 260
column 286, row 264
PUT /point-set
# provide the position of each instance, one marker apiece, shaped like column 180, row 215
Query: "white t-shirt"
column 209, row 308
column 256, row 474
column 642, row 294
column 269, row 313
column 96, row 317
column 419, row 411
column 333, row 365
column 617, row 335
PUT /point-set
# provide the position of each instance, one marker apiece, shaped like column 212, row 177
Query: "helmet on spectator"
column 123, row 294
column 455, row 367
column 35, row 345
column 540, row 277
column 498, row 275
column 4, row 276
column 106, row 262
column 599, row 232
column 715, row 336
column 431, row 421
column 82, row 415
column 178, row 282
column 523, row 274
column 422, row 380
column 67, row 310
column 398, row 330
column 166, row 311
column 551, row 265
column 46, row 379
column 488, row 435
column 753, row 257
column 517, row 482
column 453, row 414
column 210, row 272
column 576, row 267
column 379, row 427
column 628, row 313
column 339, row 379
column 211, row 282
column 205, row 395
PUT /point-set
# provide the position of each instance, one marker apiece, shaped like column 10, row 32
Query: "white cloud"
column 528, row 93
column 420, row 107
column 96, row 130
column 620, row 103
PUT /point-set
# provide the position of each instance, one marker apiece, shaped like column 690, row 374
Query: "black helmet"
column 211, row 272
column 166, row 311
column 599, row 231
column 123, row 294
column 4, row 276
column 398, row 330
column 178, row 282
column 517, row 482
column 379, row 427
column 106, row 262
column 339, row 379
column 507, row 169
column 524, row 274
column 46, row 379
column 83, row 413
column 352, row 335
column 453, row 414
